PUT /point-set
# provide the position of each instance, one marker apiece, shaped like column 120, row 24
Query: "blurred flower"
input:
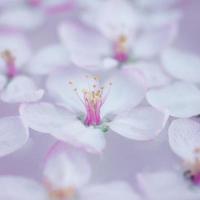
column 66, row 176
column 16, row 86
column 90, row 107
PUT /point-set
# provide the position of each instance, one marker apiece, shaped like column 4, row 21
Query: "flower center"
column 120, row 49
column 63, row 194
column 93, row 99
column 9, row 59
column 193, row 172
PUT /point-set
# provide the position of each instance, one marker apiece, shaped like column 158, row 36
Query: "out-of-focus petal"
column 19, row 188
column 142, row 123
column 182, row 65
column 184, row 138
column 122, row 95
column 180, row 99
column 21, row 17
column 20, row 90
column 48, row 59
column 114, row 190
column 153, row 42
column 167, row 185
column 13, row 135
column 66, row 167
column 85, row 45
column 149, row 73
column 3, row 81
column 17, row 45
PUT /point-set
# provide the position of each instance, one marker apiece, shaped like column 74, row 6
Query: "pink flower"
column 89, row 107
column 15, row 86
column 66, row 176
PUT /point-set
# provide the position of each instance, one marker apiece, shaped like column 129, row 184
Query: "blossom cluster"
column 112, row 68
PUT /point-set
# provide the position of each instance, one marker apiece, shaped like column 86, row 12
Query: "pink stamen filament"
column 10, row 64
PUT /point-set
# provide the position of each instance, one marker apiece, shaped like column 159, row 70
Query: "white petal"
column 17, row 45
column 24, row 18
column 21, row 89
column 153, row 42
column 66, row 167
column 150, row 73
column 167, row 185
column 58, row 87
column 79, row 41
column 123, row 94
column 182, row 65
column 63, row 125
column 13, row 135
column 19, row 188
column 142, row 123
column 180, row 99
column 184, row 138
column 110, row 191
column 114, row 18
column 48, row 59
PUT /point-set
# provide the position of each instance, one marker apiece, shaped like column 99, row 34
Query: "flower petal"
column 167, row 185
column 60, row 123
column 184, row 138
column 21, row 17
column 3, row 81
column 19, row 188
column 182, row 65
column 114, row 190
column 66, row 167
column 180, row 99
column 79, row 40
column 48, row 59
column 13, row 135
column 153, row 42
column 21, row 89
column 150, row 73
column 122, row 95
column 142, row 123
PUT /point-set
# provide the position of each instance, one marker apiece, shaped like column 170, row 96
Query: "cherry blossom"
column 66, row 176
column 16, row 86
column 87, row 107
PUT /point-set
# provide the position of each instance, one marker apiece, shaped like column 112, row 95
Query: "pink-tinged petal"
column 142, row 123
column 56, row 6
column 159, row 18
column 179, row 99
column 182, row 65
column 184, row 138
column 60, row 123
column 153, row 42
column 66, row 167
column 149, row 73
column 13, row 135
column 17, row 45
column 114, row 18
column 167, row 185
column 59, row 88
column 21, row 17
column 115, row 190
column 44, row 117
column 20, row 90
column 19, row 188
column 48, row 59
column 79, row 40
column 122, row 95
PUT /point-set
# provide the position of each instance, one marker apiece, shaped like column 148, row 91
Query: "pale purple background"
column 122, row 158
